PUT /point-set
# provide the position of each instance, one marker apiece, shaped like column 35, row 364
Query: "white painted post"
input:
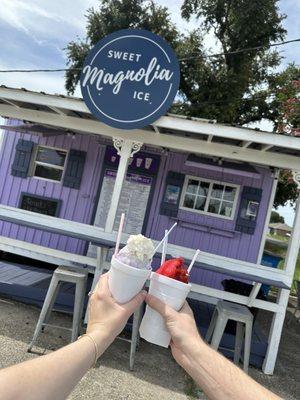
column 126, row 149
column 294, row 243
column 1, row 134
column 275, row 332
column 283, row 297
column 256, row 285
column 254, row 292
column 268, row 216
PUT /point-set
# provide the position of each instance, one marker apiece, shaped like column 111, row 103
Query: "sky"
column 34, row 33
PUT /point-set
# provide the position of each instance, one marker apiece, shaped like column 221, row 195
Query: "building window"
column 209, row 197
column 49, row 163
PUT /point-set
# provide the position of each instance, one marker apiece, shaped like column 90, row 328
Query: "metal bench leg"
column 247, row 349
column 134, row 336
column 50, row 294
column 52, row 301
column 78, row 308
column 218, row 332
column 212, row 325
column 240, row 331
column 101, row 257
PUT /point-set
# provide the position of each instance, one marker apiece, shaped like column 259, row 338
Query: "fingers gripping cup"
column 125, row 281
column 173, row 293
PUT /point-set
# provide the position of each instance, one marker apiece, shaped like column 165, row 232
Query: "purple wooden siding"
column 77, row 205
column 211, row 234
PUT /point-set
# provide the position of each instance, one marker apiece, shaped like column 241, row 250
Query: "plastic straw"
column 119, row 233
column 164, row 238
column 164, row 250
column 193, row 261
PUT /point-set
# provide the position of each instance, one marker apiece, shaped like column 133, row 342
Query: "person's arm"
column 54, row 375
column 219, row 378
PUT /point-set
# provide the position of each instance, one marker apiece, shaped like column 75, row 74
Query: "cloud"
column 34, row 34
column 40, row 82
column 30, row 17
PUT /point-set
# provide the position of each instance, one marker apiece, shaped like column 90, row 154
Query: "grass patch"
column 278, row 237
column 192, row 390
column 280, row 251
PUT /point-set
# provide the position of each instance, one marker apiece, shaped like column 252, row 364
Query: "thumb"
column 134, row 303
column 162, row 308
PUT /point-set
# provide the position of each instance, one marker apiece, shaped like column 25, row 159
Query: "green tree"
column 284, row 91
column 287, row 190
column 234, row 87
column 227, row 87
column 230, row 87
column 275, row 217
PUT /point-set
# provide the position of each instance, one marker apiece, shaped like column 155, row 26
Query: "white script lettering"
column 99, row 77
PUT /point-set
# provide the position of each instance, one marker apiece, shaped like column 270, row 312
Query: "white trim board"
column 171, row 141
column 200, row 126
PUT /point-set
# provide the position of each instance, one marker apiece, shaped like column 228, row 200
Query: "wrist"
column 194, row 352
column 102, row 338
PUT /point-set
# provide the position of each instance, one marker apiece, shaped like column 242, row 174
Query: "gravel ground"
column 156, row 375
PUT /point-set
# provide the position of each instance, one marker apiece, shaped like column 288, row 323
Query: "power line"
column 220, row 102
column 181, row 59
column 241, row 50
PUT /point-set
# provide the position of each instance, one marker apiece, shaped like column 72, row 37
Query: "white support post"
column 268, row 216
column 254, row 293
column 283, row 297
column 275, row 332
column 126, row 149
column 294, row 243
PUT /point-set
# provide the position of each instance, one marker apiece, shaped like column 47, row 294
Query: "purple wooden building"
column 218, row 182
column 71, row 176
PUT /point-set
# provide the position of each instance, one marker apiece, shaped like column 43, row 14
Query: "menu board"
column 133, row 201
column 39, row 204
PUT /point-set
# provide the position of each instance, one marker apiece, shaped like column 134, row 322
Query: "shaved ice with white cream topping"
column 137, row 253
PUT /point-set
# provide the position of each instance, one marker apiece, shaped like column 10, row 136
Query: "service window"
column 209, row 197
column 49, row 163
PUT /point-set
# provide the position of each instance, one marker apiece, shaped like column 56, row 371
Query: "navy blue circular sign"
column 130, row 78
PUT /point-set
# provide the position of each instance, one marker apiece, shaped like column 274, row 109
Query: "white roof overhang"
column 174, row 132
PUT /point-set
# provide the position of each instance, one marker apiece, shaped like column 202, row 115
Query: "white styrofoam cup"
column 170, row 291
column 125, row 281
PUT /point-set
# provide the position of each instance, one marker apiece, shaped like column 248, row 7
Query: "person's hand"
column 182, row 328
column 107, row 318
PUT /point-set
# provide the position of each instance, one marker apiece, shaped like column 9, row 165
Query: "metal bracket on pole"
column 118, row 143
column 136, row 146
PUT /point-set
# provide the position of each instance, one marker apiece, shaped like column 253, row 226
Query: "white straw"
column 119, row 233
column 164, row 249
column 163, row 239
column 193, row 261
